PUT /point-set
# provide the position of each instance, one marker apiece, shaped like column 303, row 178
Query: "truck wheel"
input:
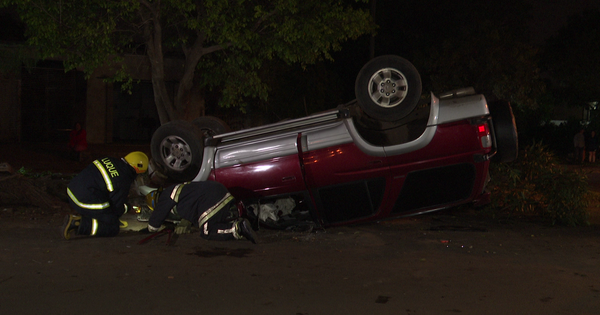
column 211, row 126
column 388, row 88
column 177, row 147
column 505, row 131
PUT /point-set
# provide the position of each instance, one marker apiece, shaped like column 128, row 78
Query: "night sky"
column 550, row 15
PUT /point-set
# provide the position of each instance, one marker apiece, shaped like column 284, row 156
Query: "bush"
column 536, row 185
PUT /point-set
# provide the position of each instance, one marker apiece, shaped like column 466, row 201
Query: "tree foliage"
column 222, row 43
column 464, row 43
column 535, row 185
column 488, row 51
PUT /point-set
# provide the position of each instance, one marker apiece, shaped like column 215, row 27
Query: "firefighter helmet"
column 138, row 160
column 152, row 199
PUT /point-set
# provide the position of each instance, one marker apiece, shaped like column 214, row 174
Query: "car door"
column 346, row 183
column 256, row 168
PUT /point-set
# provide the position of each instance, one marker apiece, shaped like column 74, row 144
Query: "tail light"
column 483, row 132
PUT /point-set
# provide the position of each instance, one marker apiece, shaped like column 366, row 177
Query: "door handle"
column 288, row 179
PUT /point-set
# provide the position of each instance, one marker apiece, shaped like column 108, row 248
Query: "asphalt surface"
column 434, row 264
column 441, row 263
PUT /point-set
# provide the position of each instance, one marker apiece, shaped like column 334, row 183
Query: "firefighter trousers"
column 104, row 222
column 222, row 225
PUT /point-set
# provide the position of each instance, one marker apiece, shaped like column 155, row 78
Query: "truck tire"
column 388, row 88
column 505, row 131
column 177, row 147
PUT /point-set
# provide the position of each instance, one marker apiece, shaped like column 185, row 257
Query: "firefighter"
column 99, row 194
column 206, row 205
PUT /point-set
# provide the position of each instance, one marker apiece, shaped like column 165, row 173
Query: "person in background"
column 579, row 144
column 206, row 205
column 591, row 146
column 77, row 141
column 99, row 194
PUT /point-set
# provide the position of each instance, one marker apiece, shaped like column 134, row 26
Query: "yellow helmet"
column 152, row 199
column 138, row 160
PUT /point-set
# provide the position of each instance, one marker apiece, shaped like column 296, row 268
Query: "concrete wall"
column 99, row 104
column 100, row 95
column 99, row 107
column 98, row 111
column 10, row 110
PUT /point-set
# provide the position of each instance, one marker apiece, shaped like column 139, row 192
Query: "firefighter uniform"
column 206, row 204
column 99, row 194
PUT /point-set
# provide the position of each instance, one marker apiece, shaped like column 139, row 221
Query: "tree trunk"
column 188, row 103
column 153, row 34
column 185, row 105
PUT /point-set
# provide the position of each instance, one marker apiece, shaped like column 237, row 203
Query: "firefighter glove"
column 183, row 227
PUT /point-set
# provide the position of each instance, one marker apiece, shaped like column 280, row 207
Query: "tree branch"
column 213, row 48
column 150, row 6
column 263, row 19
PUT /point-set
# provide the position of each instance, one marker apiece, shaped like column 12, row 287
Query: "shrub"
column 536, row 185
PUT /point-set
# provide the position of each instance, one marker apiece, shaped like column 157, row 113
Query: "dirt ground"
column 447, row 262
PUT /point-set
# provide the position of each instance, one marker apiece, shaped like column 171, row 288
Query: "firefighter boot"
column 244, row 228
column 70, row 224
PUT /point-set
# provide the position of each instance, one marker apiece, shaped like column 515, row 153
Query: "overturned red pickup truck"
column 389, row 153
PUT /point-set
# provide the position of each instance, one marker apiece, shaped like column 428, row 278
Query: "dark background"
column 52, row 100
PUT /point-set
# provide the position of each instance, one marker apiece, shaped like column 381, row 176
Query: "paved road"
column 433, row 264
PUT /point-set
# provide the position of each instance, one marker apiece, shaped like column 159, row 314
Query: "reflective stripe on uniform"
column 153, row 229
column 94, row 227
column 233, row 231
column 92, row 206
column 175, row 196
column 228, row 231
column 104, row 173
column 176, row 191
column 214, row 209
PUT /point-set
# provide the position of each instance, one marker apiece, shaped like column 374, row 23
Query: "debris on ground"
column 46, row 192
column 6, row 168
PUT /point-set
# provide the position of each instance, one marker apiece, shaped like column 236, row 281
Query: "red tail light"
column 483, row 132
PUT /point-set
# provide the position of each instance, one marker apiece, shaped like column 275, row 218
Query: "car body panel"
column 460, row 108
column 274, row 176
column 324, row 160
